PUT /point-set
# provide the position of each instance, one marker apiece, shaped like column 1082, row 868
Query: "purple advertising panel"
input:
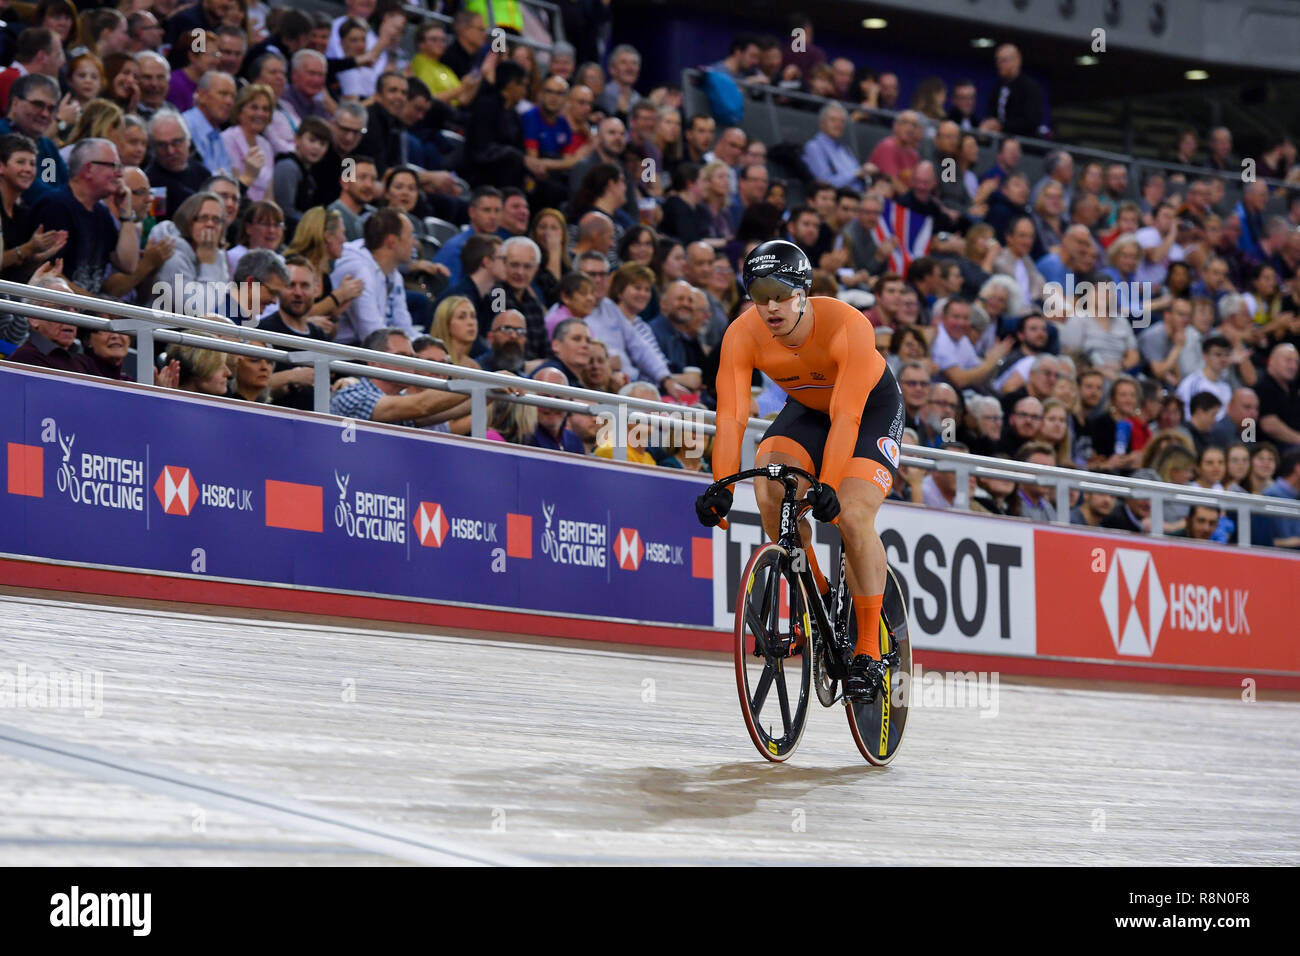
column 127, row 477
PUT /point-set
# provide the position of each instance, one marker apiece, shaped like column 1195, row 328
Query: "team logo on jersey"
column 889, row 448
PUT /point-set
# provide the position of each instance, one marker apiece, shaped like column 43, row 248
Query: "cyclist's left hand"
column 825, row 503
column 712, row 506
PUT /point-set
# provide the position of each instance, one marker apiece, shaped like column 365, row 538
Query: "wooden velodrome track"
column 228, row 740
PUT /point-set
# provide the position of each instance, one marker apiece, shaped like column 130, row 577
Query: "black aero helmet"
column 776, row 270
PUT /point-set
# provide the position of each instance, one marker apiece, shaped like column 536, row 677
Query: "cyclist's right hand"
column 712, row 506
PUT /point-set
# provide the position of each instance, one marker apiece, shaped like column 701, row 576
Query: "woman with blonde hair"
column 100, row 119
column 513, row 421
column 456, row 322
column 929, row 98
column 319, row 239
column 250, row 151
column 716, row 177
column 205, row 371
column 1055, row 431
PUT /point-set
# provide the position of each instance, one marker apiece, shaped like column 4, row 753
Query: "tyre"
column 773, row 653
column 877, row 727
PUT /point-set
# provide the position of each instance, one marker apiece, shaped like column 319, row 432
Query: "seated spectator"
column 455, row 323
column 155, row 80
column 831, row 160
column 1009, row 204
column 494, row 140
column 1106, row 340
column 1024, row 424
column 1238, row 474
column 686, row 217
column 570, row 347
column 550, row 230
column 1204, row 409
column 251, row 378
column 483, row 265
column 319, row 239
column 198, row 271
column 213, row 101
column 577, row 299
column 953, row 352
column 33, row 100
column 674, row 329
column 634, row 437
column 505, row 339
column 173, row 168
column 259, row 279
column 1094, row 508
column 485, row 206
column 26, row 242
column 1211, row 468
column 1035, row 499
column 1119, row 436
column 1238, row 420
column 896, row 155
column 200, row 59
column 1016, row 260
column 442, row 81
column 940, row 415
column 95, row 238
column 387, row 243
column 522, row 260
column 293, row 186
column 1279, row 397
column 205, row 371
column 131, row 138
column 355, row 192
column 552, row 431
column 260, row 227
column 1215, row 351
column 53, row 344
column 380, row 400
column 292, row 386
column 1202, row 520
column 1005, row 163
column 982, row 433
column 1055, row 431
column 1286, row 530
column 614, row 322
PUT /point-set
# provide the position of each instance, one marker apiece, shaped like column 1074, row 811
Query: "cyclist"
column 842, row 422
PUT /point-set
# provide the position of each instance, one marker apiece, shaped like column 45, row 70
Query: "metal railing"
column 154, row 326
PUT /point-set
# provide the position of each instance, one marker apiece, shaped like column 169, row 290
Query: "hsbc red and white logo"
column 631, row 550
column 433, row 526
column 1133, row 602
column 430, row 524
column 178, row 491
column 628, row 549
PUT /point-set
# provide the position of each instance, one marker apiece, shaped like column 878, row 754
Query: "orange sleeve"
column 858, row 368
column 735, row 373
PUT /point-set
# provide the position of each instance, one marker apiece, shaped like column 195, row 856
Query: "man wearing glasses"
column 32, row 101
column 346, row 129
column 506, row 340
column 953, row 352
column 94, row 238
column 548, row 138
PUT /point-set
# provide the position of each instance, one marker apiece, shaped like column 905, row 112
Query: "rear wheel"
column 773, row 653
column 877, row 727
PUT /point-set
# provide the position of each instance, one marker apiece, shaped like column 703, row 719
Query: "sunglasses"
column 770, row 289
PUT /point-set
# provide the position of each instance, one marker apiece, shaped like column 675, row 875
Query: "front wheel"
column 773, row 653
column 877, row 727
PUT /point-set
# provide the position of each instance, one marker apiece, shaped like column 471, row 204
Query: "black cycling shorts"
column 801, row 432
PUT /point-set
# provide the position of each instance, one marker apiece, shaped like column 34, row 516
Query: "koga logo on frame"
column 178, row 492
column 581, row 543
column 101, row 481
column 368, row 515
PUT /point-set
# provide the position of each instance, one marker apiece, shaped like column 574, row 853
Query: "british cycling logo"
column 581, row 543
column 101, row 481
column 178, row 492
column 368, row 515
column 1134, row 603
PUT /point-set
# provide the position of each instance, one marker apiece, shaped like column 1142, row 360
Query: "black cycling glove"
column 712, row 506
column 825, row 503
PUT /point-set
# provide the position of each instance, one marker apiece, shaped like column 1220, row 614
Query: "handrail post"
column 1062, row 502
column 1243, row 527
column 1157, row 515
column 144, row 346
column 962, row 500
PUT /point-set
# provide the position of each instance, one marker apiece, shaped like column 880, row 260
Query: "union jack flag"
column 910, row 228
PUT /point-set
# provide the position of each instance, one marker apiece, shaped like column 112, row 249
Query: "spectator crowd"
column 504, row 201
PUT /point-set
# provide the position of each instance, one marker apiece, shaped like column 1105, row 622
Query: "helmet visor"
column 770, row 289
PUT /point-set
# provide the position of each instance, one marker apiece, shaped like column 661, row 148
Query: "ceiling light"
column 982, row 43
column 875, row 23
column 1086, row 60
column 1196, row 75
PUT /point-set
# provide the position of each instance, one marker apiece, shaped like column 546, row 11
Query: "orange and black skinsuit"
column 844, row 417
